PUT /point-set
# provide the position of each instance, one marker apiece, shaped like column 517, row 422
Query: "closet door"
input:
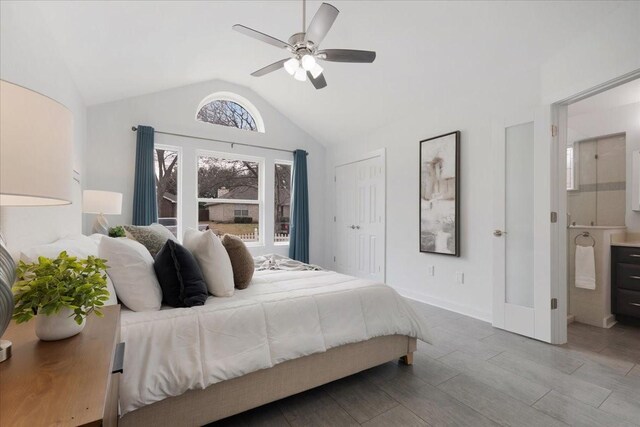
column 345, row 219
column 360, row 218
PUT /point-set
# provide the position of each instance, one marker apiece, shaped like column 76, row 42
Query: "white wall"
column 610, row 49
column 406, row 267
column 606, row 122
column 29, row 58
column 111, row 150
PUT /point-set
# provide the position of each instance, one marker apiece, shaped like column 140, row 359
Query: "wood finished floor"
column 475, row 375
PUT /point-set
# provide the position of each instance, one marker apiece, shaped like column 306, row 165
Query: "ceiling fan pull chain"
column 304, row 15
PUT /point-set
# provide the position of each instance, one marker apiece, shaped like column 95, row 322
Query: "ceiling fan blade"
column 347, row 55
column 321, row 23
column 318, row 83
column 261, row 36
column 270, row 68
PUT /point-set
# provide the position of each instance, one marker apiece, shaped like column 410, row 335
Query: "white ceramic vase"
column 58, row 326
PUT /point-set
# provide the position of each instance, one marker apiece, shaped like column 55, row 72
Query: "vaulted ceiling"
column 428, row 52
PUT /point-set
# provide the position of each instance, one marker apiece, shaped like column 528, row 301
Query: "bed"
column 288, row 332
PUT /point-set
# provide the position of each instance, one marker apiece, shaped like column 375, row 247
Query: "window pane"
column 570, row 173
column 227, row 179
column 166, row 169
column 282, row 205
column 227, row 113
column 229, row 218
column 232, row 187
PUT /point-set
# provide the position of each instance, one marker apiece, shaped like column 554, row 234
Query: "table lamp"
column 35, row 169
column 101, row 203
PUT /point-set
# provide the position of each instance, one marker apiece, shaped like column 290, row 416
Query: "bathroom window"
column 570, row 169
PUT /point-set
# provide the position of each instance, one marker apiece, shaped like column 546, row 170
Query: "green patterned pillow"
column 153, row 237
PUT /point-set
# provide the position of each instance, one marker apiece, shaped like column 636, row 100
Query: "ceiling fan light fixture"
column 292, row 65
column 308, row 61
column 300, row 75
column 316, row 70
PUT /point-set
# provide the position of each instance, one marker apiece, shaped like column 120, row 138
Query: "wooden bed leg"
column 407, row 359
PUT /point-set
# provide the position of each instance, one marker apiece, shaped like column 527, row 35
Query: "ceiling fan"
column 304, row 48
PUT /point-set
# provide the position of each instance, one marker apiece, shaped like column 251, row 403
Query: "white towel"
column 585, row 267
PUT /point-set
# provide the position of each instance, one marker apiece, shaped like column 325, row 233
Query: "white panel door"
column 522, row 249
column 360, row 218
column 345, row 219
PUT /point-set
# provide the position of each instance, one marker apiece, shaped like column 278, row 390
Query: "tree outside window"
column 227, row 113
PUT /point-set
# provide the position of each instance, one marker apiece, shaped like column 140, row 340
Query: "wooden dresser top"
column 60, row 383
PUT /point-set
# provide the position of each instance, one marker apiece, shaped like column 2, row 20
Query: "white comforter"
column 282, row 315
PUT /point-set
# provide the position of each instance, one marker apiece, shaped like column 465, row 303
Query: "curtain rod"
column 133, row 128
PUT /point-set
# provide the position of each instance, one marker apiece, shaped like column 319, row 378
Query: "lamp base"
column 5, row 350
column 101, row 226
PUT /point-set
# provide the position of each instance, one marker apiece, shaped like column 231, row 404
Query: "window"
column 241, row 212
column 282, row 201
column 570, row 169
column 231, row 110
column 230, row 195
column 166, row 164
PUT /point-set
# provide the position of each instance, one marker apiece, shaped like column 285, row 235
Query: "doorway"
column 598, row 135
column 359, row 221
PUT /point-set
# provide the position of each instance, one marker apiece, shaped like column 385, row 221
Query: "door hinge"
column 554, row 303
column 334, row 178
column 334, row 219
column 554, row 130
column 334, row 259
column 554, row 217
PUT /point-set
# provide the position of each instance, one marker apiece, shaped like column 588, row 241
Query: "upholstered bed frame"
column 221, row 400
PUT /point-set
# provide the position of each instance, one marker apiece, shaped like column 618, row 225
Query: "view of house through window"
column 229, row 196
column 227, row 113
column 166, row 170
column 282, row 201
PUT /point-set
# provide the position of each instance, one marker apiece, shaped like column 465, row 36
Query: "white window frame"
column 281, row 162
column 261, row 188
column 177, row 149
column 240, row 100
column 576, row 166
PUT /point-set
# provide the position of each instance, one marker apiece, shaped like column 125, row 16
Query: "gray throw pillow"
column 153, row 237
column 241, row 260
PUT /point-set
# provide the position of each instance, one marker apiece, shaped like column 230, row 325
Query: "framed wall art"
column 439, row 194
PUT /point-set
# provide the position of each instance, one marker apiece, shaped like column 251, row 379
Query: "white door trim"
column 382, row 153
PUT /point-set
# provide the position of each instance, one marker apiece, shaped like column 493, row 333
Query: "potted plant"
column 60, row 293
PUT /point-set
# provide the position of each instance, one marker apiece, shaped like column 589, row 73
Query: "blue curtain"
column 299, row 235
column 145, row 208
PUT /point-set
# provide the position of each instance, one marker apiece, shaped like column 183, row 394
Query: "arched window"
column 229, row 109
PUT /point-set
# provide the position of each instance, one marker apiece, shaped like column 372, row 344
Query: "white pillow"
column 131, row 269
column 163, row 231
column 213, row 260
column 75, row 245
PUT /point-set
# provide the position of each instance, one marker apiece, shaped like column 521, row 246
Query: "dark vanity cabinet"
column 625, row 282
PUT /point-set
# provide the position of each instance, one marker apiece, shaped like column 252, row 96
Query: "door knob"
column 353, row 227
column 357, row 227
column 498, row 233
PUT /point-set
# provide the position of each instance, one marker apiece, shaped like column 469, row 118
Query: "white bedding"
column 282, row 315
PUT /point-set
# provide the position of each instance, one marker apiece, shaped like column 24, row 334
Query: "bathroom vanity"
column 625, row 279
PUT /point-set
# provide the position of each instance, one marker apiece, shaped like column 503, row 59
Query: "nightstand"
column 70, row 382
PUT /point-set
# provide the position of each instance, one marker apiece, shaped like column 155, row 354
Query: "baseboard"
column 570, row 318
column 447, row 305
column 609, row 321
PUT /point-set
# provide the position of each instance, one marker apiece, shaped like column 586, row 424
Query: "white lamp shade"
column 292, row 65
column 35, row 148
column 101, row 202
column 300, row 75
